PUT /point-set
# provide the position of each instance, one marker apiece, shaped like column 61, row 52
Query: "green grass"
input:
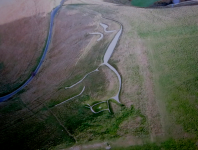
column 87, row 64
column 172, row 144
column 172, row 52
column 106, row 125
column 143, row 3
column 2, row 66
column 29, row 128
column 12, row 106
column 40, row 130
column 76, row 5
column 100, row 107
column 87, row 126
column 71, row 93
column 92, row 93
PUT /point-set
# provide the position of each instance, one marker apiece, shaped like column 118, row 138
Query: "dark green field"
column 143, row 3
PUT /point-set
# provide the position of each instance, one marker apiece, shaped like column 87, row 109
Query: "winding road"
column 53, row 13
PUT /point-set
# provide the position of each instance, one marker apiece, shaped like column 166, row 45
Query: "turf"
column 172, row 51
column 169, row 144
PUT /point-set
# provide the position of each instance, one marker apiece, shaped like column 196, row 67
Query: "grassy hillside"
column 172, row 51
column 168, row 40
column 157, row 60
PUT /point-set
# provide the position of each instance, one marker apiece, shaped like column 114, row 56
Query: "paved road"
column 53, row 13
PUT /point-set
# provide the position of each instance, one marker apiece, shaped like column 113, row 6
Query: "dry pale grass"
column 11, row 10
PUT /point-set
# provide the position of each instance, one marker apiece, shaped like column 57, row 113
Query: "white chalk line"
column 71, row 98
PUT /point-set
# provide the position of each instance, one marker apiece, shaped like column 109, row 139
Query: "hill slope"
column 156, row 57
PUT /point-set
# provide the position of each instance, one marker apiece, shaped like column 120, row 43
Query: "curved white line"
column 112, row 46
column 107, row 56
column 98, row 103
column 98, row 33
column 105, row 28
column 97, row 112
column 81, row 79
column 91, row 107
column 72, row 97
column 101, row 111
